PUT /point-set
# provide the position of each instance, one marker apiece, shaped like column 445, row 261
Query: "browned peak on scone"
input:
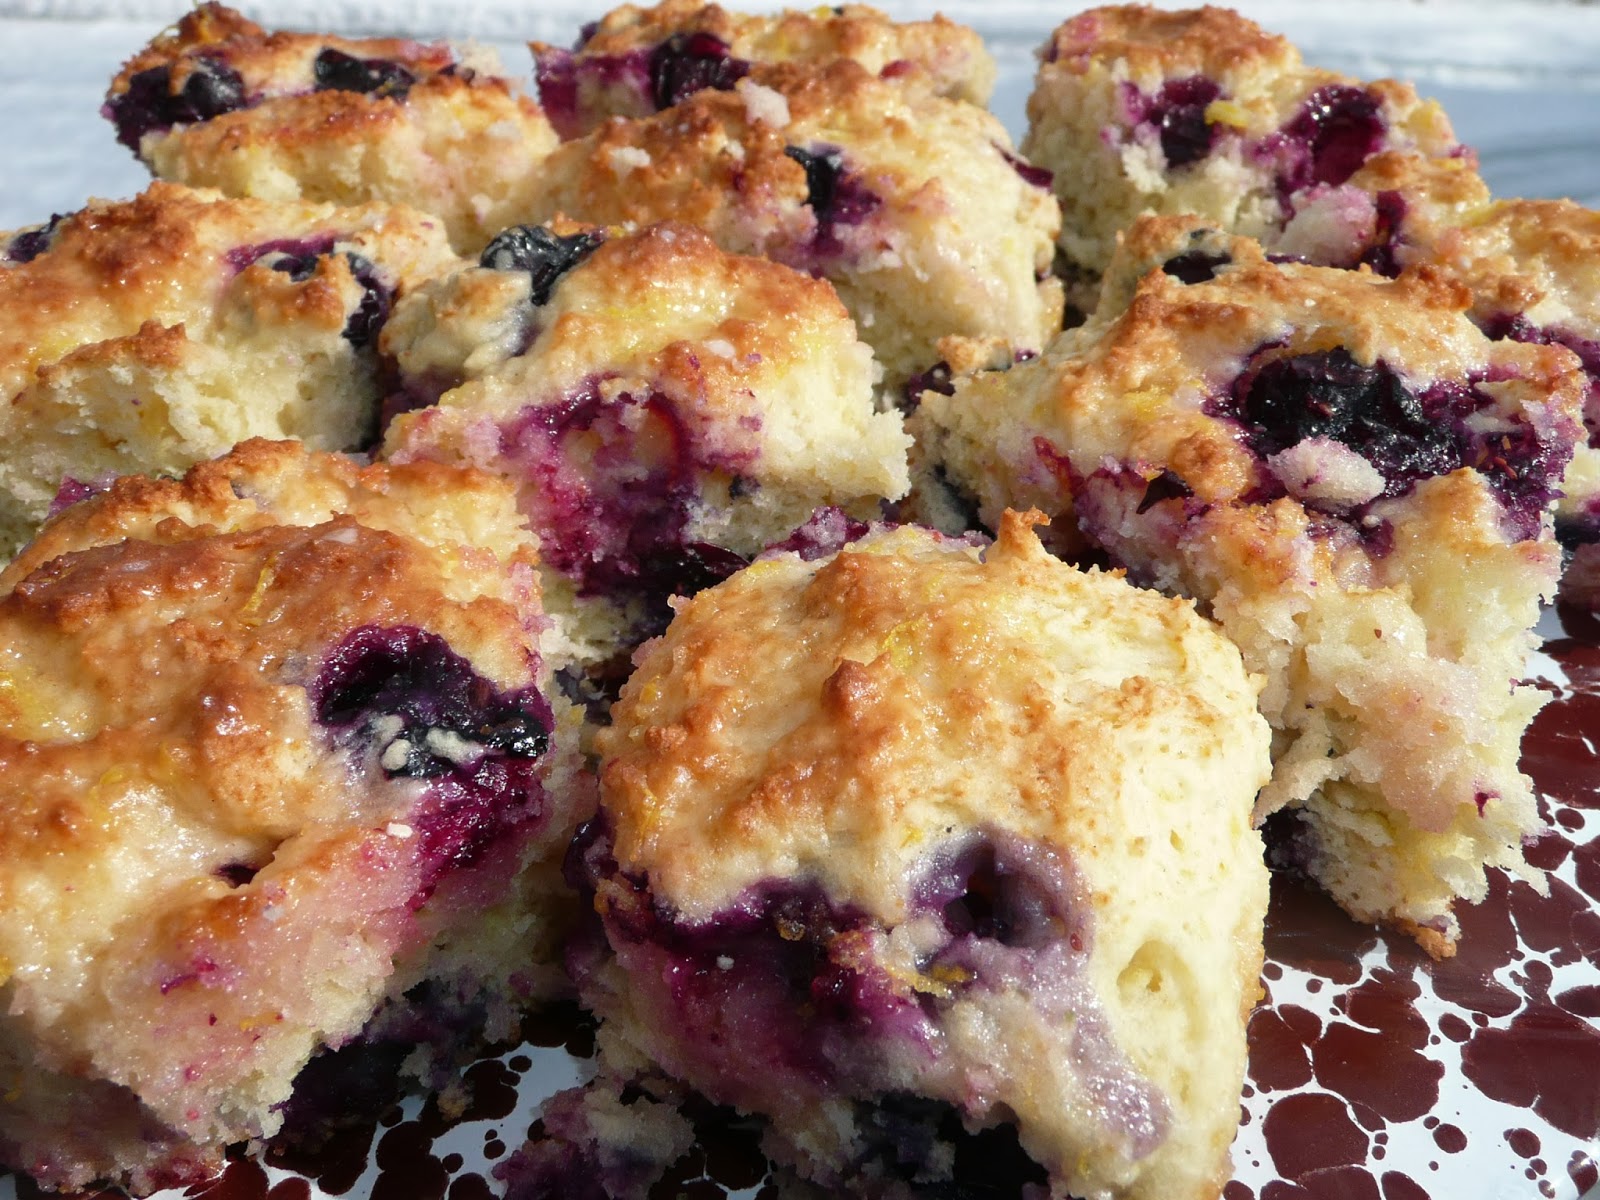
column 171, row 254
column 883, row 822
column 912, row 205
column 1357, row 484
column 1136, row 110
column 1534, row 258
column 637, row 61
column 279, row 746
column 220, row 102
column 664, row 408
column 146, row 335
column 1150, row 42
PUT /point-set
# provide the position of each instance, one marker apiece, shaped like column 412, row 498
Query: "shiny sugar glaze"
column 1375, row 1073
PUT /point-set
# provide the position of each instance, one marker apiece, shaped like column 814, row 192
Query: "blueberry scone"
column 665, row 409
column 220, row 102
column 280, row 755
column 940, row 860
column 1533, row 267
column 637, row 61
column 1136, row 109
column 150, row 334
column 1356, row 483
column 912, row 205
column 1529, row 265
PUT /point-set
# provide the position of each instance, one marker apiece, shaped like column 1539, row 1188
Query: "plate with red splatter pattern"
column 1379, row 1074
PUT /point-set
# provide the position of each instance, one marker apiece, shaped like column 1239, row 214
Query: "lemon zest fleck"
column 252, row 605
column 1226, row 112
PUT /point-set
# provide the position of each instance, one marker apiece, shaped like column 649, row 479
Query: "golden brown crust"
column 952, row 55
column 712, row 162
column 163, row 257
column 121, row 262
column 664, row 307
column 691, row 176
column 249, row 601
column 1171, row 331
column 457, row 140
column 870, row 636
column 1206, row 40
column 725, row 296
column 1532, row 257
column 261, row 484
column 335, row 116
column 206, row 25
column 316, row 126
column 269, row 63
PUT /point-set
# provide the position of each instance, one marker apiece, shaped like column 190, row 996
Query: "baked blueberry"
column 336, row 70
column 687, row 62
column 155, row 100
column 544, row 255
